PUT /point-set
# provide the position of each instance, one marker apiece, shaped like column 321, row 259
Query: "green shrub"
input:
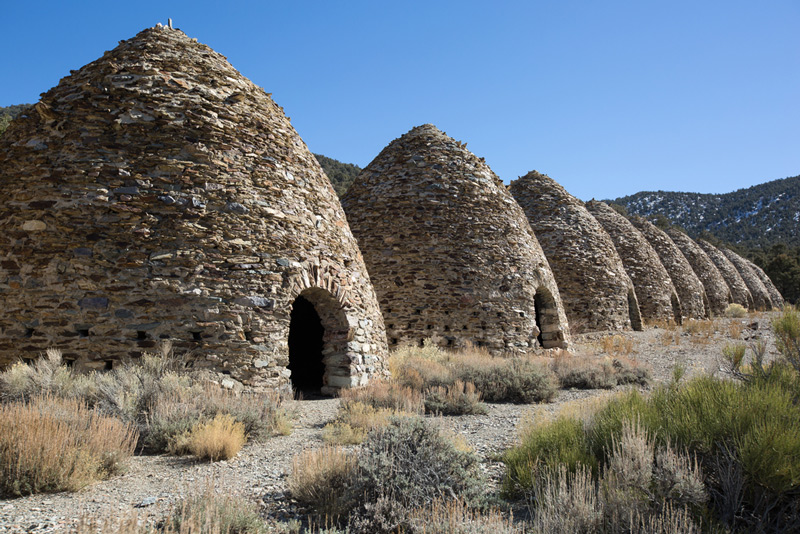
column 560, row 442
column 787, row 335
column 735, row 311
column 51, row 444
column 46, row 376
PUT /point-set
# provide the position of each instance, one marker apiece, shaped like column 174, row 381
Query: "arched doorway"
column 550, row 330
column 306, row 346
column 633, row 310
column 677, row 312
column 318, row 331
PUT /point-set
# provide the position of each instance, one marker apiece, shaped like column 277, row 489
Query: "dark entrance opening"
column 677, row 312
column 544, row 308
column 305, row 347
column 633, row 311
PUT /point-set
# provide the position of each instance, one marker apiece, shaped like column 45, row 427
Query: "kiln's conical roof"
column 156, row 193
column 761, row 298
column 450, row 252
column 641, row 261
column 739, row 291
column 687, row 284
column 591, row 278
column 717, row 291
column 774, row 295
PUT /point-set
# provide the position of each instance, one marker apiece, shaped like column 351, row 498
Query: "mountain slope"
column 758, row 216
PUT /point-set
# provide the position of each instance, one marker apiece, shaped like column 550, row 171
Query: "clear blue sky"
column 609, row 98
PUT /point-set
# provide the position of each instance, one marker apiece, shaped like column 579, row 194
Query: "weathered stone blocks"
column 158, row 195
column 450, row 252
column 591, row 278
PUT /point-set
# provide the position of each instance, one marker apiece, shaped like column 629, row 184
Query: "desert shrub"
column 365, row 408
column 411, row 461
column 787, row 335
column 51, row 444
column 589, row 372
column 453, row 516
column 735, row 311
column 459, row 399
column 219, row 439
column 558, row 490
column 353, row 421
column 325, row 480
column 384, row 394
column 551, row 444
column 402, row 466
column 46, row 376
column 516, row 379
column 583, row 372
column 519, row 380
column 751, row 428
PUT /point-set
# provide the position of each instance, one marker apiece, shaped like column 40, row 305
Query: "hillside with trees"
column 340, row 174
column 755, row 217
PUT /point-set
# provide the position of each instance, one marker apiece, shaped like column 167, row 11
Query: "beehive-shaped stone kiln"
column 451, row 254
column 761, row 299
column 157, row 194
column 717, row 291
column 774, row 295
column 741, row 295
column 596, row 291
column 687, row 284
column 658, row 299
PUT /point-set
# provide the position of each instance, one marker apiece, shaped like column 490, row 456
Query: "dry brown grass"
column 52, row 444
column 321, row 478
column 219, row 439
column 617, row 345
column 700, row 331
column 735, row 329
column 455, row 517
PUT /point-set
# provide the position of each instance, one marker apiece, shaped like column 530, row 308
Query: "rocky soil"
column 153, row 484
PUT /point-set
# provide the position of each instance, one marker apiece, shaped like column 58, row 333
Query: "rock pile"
column 717, row 291
column 761, row 299
column 658, row 299
column 593, row 284
column 156, row 195
column 739, row 292
column 451, row 254
column 689, row 287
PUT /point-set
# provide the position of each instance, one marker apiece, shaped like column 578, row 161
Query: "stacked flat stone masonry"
column 774, row 295
column 595, row 289
column 717, row 291
column 761, row 299
column 157, row 194
column 451, row 254
column 739, row 292
column 658, row 299
column 687, row 284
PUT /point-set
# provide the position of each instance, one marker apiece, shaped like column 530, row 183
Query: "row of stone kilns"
column 157, row 195
column 453, row 260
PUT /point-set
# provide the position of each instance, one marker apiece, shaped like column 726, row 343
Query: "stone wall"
column 717, row 291
column 593, row 284
column 687, row 284
column 761, row 298
column 739, row 292
column 450, row 252
column 158, row 195
column 658, row 299
column 774, row 295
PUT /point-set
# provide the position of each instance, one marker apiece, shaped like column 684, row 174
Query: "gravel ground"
column 155, row 483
